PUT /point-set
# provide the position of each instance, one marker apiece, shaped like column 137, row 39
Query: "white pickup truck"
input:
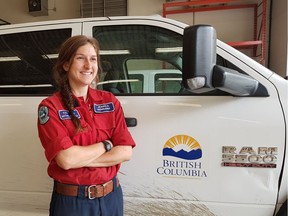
column 210, row 127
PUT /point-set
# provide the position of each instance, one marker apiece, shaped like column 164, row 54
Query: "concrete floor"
column 10, row 210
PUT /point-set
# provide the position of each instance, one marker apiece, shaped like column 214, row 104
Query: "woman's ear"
column 66, row 66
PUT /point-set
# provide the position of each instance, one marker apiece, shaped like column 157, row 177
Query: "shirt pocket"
column 84, row 136
column 104, row 121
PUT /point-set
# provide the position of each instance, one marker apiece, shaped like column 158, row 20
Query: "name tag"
column 64, row 114
column 103, row 108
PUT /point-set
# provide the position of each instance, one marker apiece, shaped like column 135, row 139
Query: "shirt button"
column 84, row 124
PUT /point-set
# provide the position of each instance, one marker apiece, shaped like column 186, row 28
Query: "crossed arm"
column 93, row 155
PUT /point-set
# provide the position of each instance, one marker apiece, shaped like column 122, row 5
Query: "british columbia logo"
column 182, row 157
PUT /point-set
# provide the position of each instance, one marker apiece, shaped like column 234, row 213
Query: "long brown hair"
column 66, row 54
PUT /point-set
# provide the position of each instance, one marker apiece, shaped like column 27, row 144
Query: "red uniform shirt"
column 101, row 116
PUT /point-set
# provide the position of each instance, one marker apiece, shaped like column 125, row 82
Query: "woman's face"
column 82, row 69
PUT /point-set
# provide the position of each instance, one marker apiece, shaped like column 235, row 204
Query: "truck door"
column 27, row 55
column 208, row 153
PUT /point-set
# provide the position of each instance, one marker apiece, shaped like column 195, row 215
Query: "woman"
column 84, row 135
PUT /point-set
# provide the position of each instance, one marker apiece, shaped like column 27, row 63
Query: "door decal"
column 181, row 157
column 182, row 146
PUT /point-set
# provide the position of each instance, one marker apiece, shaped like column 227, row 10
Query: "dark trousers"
column 110, row 205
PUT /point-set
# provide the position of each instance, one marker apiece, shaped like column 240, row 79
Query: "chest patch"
column 103, row 108
column 64, row 114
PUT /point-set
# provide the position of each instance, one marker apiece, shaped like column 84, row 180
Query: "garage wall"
column 231, row 25
column 279, row 45
column 16, row 11
column 224, row 22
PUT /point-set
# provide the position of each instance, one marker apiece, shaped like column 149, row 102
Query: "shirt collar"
column 92, row 96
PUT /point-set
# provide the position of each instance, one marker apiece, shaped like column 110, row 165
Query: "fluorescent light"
column 54, row 56
column 168, row 49
column 169, row 79
column 117, row 81
column 15, row 58
column 50, row 56
column 10, row 58
column 114, row 52
column 102, row 52
column 26, row 86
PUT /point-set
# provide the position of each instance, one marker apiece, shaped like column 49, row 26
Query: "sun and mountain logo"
column 182, row 146
column 182, row 158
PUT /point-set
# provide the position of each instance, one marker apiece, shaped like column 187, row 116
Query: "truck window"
column 26, row 61
column 142, row 59
column 168, row 83
column 153, row 76
column 136, row 83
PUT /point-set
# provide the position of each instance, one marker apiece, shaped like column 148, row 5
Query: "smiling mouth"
column 86, row 73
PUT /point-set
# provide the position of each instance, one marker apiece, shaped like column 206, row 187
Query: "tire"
column 283, row 210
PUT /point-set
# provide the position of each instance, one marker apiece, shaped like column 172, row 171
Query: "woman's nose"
column 87, row 63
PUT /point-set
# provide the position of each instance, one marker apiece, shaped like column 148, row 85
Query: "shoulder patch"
column 43, row 114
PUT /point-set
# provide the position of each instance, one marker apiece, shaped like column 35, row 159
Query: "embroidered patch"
column 64, row 114
column 102, row 108
column 43, row 114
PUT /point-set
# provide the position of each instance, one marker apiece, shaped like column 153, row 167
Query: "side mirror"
column 199, row 57
column 200, row 72
column 233, row 82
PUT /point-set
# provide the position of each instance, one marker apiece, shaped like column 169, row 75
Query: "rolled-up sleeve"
column 53, row 134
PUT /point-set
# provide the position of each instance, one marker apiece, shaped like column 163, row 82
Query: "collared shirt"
column 101, row 116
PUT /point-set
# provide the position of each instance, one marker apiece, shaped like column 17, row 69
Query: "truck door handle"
column 131, row 122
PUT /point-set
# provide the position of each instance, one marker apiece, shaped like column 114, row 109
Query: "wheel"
column 283, row 210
